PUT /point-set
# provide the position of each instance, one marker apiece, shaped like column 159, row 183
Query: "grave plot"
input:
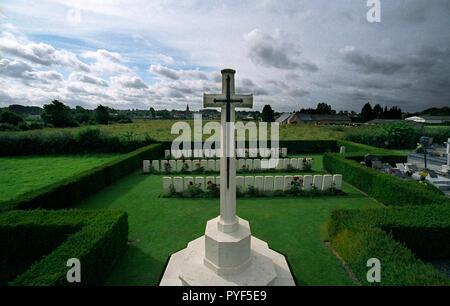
column 254, row 186
column 202, row 166
column 215, row 153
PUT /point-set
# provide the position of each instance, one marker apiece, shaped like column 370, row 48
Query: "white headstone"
column 259, row 183
column 200, row 181
column 342, row 150
column 164, row 164
column 286, row 162
column 278, row 184
column 218, row 181
column 337, row 181
column 327, row 182
column 241, row 163
column 268, row 183
column 287, row 182
column 300, row 164
column 209, row 180
column 195, row 164
column 249, row 181
column 167, row 154
column 173, row 165
column 240, row 183
column 217, row 165
column 146, row 166
column 188, row 181
column 189, row 164
column 294, row 163
column 317, row 182
column 279, row 164
column 307, row 182
column 167, row 182
column 178, row 184
column 249, row 164
column 284, row 152
column 211, row 165
column 257, row 164
column 204, row 164
column 179, row 165
column 253, row 153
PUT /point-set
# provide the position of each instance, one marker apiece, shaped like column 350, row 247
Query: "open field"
column 21, row 174
column 160, row 130
column 162, row 226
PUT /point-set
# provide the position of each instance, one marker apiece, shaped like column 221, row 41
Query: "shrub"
column 10, row 118
column 79, row 186
column 49, row 238
column 395, row 236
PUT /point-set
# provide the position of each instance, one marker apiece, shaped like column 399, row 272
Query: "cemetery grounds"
column 159, row 227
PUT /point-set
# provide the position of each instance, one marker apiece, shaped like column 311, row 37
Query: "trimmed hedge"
column 79, row 186
column 49, row 238
column 89, row 140
column 395, row 236
column 386, row 188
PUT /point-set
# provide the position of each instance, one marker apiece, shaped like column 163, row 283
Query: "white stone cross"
column 227, row 101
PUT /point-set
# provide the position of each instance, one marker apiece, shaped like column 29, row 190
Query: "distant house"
column 284, row 118
column 429, row 119
column 318, row 119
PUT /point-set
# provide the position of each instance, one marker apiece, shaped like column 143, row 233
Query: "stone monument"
column 227, row 255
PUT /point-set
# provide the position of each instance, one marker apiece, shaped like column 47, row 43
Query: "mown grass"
column 161, row 130
column 21, row 174
column 162, row 226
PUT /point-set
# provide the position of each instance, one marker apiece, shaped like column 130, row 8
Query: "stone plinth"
column 264, row 266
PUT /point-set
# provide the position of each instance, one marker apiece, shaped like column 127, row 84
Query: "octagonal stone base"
column 266, row 268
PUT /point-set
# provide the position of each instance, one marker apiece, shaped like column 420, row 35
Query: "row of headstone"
column 240, row 153
column 261, row 183
column 214, row 164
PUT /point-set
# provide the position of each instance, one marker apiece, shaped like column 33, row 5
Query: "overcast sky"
column 166, row 54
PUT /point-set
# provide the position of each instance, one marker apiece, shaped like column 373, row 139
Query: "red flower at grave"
column 279, row 149
column 197, row 164
column 209, row 182
column 184, row 161
column 214, row 185
column 191, row 183
column 243, row 166
column 216, row 190
column 304, row 160
column 391, row 170
column 295, row 178
column 167, row 164
column 301, row 181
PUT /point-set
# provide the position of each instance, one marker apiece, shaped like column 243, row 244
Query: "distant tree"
column 152, row 113
column 268, row 114
column 58, row 114
column 10, row 117
column 123, row 117
column 377, row 111
column 366, row 112
column 164, row 114
column 101, row 115
column 324, row 109
column 82, row 115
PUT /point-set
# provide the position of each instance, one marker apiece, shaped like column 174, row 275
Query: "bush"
column 73, row 189
column 8, row 127
column 399, row 135
column 386, row 188
column 85, row 141
column 393, row 235
column 10, row 118
column 49, row 238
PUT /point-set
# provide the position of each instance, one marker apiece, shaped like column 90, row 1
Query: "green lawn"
column 21, row 174
column 162, row 226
